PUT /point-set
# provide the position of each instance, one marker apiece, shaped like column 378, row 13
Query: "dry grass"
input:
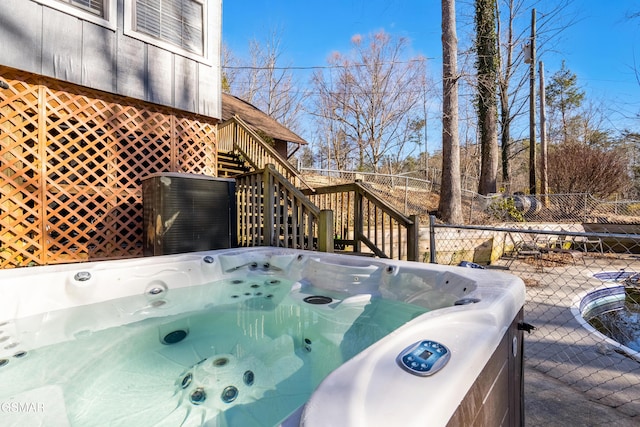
column 531, row 283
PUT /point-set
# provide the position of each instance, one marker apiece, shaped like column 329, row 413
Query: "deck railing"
column 349, row 217
column 361, row 217
column 235, row 135
column 272, row 212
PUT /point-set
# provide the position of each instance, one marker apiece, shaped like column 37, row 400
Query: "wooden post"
column 12, row 235
column 325, row 231
column 268, row 205
column 544, row 182
column 413, row 238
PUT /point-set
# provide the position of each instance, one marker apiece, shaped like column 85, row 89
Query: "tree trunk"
column 505, row 141
column 450, row 206
column 505, row 67
column 487, row 58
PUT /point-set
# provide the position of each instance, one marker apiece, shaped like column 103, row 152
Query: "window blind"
column 180, row 22
column 94, row 6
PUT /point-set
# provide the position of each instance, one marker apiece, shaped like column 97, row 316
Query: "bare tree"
column 330, row 108
column 229, row 67
column 373, row 96
column 265, row 82
column 513, row 72
column 588, row 126
column 339, row 148
column 507, row 60
column 450, row 205
column 580, row 168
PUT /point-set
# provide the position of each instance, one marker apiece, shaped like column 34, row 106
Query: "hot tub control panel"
column 424, row 358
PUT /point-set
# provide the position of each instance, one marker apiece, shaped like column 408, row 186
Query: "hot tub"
column 260, row 337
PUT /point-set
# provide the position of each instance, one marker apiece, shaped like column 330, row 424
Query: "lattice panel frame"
column 194, row 153
column 71, row 163
column 21, row 218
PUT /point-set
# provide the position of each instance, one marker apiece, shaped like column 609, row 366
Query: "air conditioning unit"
column 188, row 212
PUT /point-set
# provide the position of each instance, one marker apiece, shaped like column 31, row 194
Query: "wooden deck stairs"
column 277, row 207
column 231, row 164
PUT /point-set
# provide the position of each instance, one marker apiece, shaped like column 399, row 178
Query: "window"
column 93, row 6
column 179, row 26
column 101, row 12
column 179, row 22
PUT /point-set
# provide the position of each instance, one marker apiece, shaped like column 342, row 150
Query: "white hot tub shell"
column 474, row 313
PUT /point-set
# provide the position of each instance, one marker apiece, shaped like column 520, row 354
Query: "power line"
column 320, row 67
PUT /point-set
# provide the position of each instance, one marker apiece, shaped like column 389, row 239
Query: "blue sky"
column 601, row 47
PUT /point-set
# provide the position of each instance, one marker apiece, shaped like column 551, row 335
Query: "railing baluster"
column 242, row 211
column 375, row 228
column 384, row 236
column 294, row 224
column 256, row 194
column 399, row 241
column 280, row 198
column 392, row 237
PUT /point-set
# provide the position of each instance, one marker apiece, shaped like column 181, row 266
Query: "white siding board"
column 45, row 41
column 98, row 57
column 61, row 46
column 21, row 35
column 160, row 76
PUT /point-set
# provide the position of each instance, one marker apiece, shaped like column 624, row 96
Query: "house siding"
column 48, row 42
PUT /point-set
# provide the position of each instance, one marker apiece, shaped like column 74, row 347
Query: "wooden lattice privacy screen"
column 71, row 160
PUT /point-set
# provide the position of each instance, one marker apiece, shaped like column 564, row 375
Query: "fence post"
column 325, row 231
column 586, row 200
column 268, row 204
column 432, row 239
column 406, row 193
column 413, row 238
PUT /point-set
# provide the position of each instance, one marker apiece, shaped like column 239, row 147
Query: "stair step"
column 230, row 165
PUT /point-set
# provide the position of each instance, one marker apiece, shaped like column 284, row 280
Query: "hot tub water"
column 250, row 358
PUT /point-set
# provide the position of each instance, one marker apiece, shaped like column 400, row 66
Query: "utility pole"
column 426, row 148
column 531, row 60
column 544, row 182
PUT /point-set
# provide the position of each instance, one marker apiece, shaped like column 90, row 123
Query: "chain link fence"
column 405, row 193
column 583, row 297
column 411, row 195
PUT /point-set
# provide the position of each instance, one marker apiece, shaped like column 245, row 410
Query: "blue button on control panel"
column 424, row 358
